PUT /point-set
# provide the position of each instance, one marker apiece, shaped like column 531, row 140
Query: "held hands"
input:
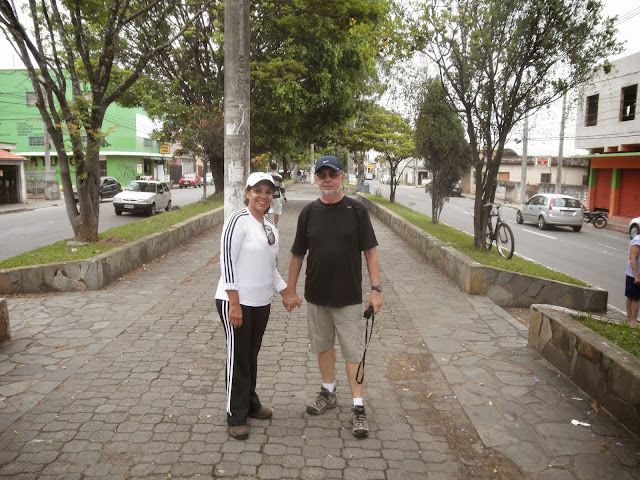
column 290, row 299
column 375, row 299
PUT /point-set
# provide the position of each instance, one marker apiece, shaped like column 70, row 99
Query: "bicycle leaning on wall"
column 499, row 232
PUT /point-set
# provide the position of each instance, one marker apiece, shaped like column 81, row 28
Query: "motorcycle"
column 598, row 218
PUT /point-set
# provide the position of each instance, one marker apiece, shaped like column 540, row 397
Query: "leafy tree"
column 385, row 132
column 359, row 135
column 441, row 142
column 499, row 59
column 81, row 56
column 184, row 89
column 311, row 63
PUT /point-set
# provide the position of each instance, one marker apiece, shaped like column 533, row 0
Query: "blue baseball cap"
column 328, row 161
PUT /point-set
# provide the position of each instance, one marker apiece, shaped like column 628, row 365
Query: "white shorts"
column 276, row 206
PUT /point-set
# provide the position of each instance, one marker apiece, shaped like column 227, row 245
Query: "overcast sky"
column 544, row 126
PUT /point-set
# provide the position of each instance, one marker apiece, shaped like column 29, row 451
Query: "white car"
column 368, row 176
column 146, row 196
column 208, row 178
column 634, row 227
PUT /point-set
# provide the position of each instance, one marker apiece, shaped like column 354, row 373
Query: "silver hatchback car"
column 546, row 209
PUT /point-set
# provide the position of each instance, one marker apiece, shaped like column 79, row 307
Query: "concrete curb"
column 603, row 370
column 94, row 273
column 505, row 288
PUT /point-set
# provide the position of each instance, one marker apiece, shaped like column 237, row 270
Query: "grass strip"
column 112, row 238
column 624, row 336
column 463, row 242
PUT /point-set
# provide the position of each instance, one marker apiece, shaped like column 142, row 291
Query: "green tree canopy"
column 440, row 141
column 385, row 132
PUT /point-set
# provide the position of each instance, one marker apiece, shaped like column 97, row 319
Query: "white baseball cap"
column 257, row 177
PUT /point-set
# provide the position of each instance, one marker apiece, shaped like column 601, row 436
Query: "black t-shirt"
column 335, row 235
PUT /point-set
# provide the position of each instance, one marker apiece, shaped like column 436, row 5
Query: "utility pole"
column 236, row 104
column 523, row 168
column 312, row 161
column 560, row 150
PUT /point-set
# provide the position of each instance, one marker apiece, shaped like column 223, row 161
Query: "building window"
column 592, row 110
column 628, row 103
column 503, row 176
column 31, row 99
column 545, row 178
column 148, row 143
column 36, row 141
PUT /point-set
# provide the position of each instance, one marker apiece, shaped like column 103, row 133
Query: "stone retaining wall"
column 94, row 273
column 505, row 288
column 603, row 370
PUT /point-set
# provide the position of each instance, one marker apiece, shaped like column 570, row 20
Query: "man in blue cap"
column 335, row 229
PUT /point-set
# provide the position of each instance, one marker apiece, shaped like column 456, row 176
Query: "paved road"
column 128, row 382
column 597, row 257
column 31, row 227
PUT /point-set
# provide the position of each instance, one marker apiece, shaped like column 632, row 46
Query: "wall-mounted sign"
column 542, row 162
column 164, row 147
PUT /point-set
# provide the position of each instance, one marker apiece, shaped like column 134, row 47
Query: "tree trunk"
column 217, row 171
column 392, row 194
column 85, row 223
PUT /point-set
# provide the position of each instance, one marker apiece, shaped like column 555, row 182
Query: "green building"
column 128, row 151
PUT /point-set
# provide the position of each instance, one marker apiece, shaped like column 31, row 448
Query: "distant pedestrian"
column 632, row 287
column 335, row 230
column 248, row 261
column 278, row 193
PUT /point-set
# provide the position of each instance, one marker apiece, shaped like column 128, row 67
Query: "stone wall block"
column 535, row 285
column 622, row 378
column 504, row 278
column 63, row 283
column 5, row 328
column 499, row 295
column 590, row 376
column 590, row 352
column 535, row 326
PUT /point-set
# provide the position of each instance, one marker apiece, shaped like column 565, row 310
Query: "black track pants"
column 243, row 345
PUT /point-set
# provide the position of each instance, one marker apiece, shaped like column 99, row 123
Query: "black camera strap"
column 367, row 339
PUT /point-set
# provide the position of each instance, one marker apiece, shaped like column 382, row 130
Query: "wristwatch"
column 377, row 288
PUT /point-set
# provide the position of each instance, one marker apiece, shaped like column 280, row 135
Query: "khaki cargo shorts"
column 347, row 322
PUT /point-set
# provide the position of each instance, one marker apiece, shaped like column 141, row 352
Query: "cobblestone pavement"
column 128, row 382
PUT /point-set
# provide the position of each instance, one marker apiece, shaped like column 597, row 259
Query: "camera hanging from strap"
column 368, row 314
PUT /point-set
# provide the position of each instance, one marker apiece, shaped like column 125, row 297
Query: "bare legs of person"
column 632, row 312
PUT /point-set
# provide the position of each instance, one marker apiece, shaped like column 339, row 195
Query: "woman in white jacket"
column 249, row 273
